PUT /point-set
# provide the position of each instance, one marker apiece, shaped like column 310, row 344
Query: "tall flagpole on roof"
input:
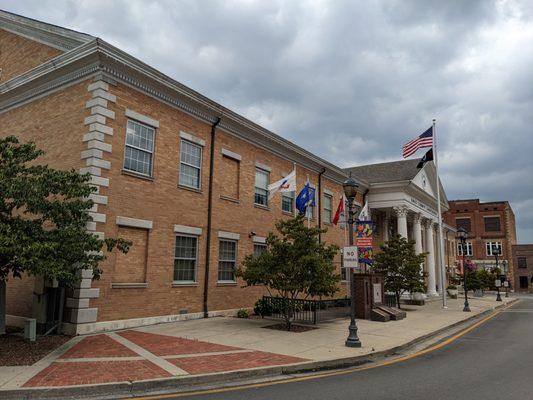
column 439, row 218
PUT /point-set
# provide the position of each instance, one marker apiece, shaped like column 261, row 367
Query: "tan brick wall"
column 18, row 54
column 55, row 123
column 161, row 200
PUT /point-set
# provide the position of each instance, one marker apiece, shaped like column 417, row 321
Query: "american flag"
column 424, row 140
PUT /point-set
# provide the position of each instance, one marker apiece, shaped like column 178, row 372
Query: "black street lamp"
column 496, row 253
column 350, row 187
column 462, row 234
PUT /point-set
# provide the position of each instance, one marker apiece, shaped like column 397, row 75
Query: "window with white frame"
column 138, row 153
column 287, row 202
column 190, row 164
column 227, row 260
column 494, row 248
column 259, row 248
column 261, row 187
column 328, row 208
column 468, row 246
column 185, row 255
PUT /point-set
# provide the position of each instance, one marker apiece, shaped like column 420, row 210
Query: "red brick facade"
column 523, row 267
column 490, row 222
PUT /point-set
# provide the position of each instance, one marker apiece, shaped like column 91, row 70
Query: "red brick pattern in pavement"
column 81, row 373
column 98, row 346
column 162, row 345
column 232, row 362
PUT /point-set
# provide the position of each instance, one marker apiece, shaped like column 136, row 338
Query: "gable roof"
column 395, row 171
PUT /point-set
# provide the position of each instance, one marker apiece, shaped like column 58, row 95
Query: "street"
column 494, row 361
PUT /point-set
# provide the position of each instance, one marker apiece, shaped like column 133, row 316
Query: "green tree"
column 43, row 217
column 400, row 265
column 294, row 265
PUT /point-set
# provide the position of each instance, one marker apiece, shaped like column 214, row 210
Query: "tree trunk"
column 398, row 300
column 3, row 307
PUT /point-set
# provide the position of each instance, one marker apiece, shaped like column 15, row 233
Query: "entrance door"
column 523, row 282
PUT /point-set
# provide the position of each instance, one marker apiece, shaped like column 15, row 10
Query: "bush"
column 243, row 313
column 263, row 308
column 452, row 287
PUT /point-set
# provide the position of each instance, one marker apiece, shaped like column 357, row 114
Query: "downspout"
column 209, row 216
column 320, row 203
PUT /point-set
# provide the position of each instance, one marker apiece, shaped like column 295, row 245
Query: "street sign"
column 350, row 257
column 506, row 284
column 498, row 283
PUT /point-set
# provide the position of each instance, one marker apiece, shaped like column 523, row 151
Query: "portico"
column 402, row 200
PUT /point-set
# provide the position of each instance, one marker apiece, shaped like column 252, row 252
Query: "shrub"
column 452, row 287
column 263, row 308
column 243, row 313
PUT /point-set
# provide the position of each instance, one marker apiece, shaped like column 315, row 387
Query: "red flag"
column 340, row 210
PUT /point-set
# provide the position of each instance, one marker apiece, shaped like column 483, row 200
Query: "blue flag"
column 305, row 198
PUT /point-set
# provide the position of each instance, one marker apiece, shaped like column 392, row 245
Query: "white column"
column 386, row 226
column 401, row 214
column 430, row 249
column 417, row 233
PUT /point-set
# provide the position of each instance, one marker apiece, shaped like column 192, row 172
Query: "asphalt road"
column 494, row 361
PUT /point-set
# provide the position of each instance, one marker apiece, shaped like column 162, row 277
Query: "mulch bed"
column 294, row 328
column 14, row 350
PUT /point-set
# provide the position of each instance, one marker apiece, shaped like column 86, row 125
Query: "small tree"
column 400, row 266
column 43, row 217
column 294, row 265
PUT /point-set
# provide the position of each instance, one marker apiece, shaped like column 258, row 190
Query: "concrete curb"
column 187, row 383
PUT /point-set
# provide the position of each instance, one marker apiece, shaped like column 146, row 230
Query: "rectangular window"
column 468, row 246
column 185, row 254
column 287, row 202
column 261, row 187
column 328, row 208
column 492, row 224
column 259, row 248
column 227, row 260
column 190, row 164
column 522, row 262
column 523, row 282
column 463, row 223
column 139, row 149
column 492, row 246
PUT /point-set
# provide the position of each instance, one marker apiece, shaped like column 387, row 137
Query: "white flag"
column 364, row 215
column 287, row 184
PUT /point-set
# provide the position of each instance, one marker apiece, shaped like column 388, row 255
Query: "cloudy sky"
column 350, row 80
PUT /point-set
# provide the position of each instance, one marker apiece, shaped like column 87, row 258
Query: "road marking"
column 334, row 373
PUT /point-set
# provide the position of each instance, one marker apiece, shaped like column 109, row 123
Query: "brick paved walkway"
column 135, row 355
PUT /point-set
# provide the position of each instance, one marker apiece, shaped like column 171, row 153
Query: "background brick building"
column 523, row 267
column 488, row 224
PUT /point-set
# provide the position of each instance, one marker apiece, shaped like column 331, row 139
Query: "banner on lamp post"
column 364, row 231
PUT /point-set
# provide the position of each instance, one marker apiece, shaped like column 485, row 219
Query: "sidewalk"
column 216, row 345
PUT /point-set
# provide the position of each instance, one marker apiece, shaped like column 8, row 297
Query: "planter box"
column 452, row 293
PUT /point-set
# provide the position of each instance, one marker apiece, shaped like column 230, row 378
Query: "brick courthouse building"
column 179, row 175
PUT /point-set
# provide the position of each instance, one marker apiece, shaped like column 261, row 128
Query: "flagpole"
column 439, row 217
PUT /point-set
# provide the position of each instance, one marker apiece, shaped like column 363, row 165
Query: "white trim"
column 263, row 167
column 134, row 222
column 228, row 235
column 259, row 239
column 142, row 118
column 98, row 85
column 231, row 154
column 328, row 192
column 188, row 230
column 192, row 138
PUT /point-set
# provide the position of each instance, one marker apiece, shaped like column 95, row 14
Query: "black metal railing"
column 306, row 311
column 390, row 300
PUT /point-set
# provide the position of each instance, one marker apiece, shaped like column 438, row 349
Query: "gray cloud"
column 350, row 81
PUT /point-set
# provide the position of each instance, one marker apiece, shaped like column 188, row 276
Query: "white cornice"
column 51, row 35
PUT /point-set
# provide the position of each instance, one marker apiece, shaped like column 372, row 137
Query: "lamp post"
column 496, row 253
column 504, row 265
column 350, row 187
column 462, row 234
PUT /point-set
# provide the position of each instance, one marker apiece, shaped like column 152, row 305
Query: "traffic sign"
column 350, row 257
